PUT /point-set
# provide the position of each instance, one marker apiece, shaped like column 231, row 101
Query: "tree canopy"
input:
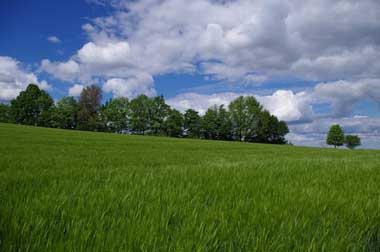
column 335, row 136
column 352, row 141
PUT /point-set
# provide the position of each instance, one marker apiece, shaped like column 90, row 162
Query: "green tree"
column 89, row 104
column 352, row 141
column 245, row 114
column 209, row 123
column 224, row 124
column 64, row 114
column 31, row 106
column 270, row 129
column 158, row 112
column 5, row 113
column 335, row 136
column 173, row 123
column 139, row 114
column 113, row 115
column 192, row 123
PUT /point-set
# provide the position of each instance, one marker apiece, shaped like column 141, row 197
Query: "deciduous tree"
column 89, row 104
column 352, row 141
column 335, row 136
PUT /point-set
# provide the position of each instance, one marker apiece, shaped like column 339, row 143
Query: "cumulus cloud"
column 75, row 90
column 343, row 95
column 289, row 106
column 132, row 87
column 54, row 39
column 14, row 78
column 245, row 41
column 63, row 70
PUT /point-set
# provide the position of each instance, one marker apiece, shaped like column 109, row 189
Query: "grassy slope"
column 74, row 191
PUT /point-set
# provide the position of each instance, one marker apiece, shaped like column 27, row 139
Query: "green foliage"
column 89, row 104
column 192, row 123
column 270, row 130
column 352, row 141
column 5, row 113
column 158, row 111
column 173, row 123
column 335, row 136
column 245, row 114
column 64, row 114
column 217, row 124
column 31, row 107
column 113, row 115
column 64, row 190
column 139, row 114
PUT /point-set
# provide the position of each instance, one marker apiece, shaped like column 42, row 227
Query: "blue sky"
column 311, row 64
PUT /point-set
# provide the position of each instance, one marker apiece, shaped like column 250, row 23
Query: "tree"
column 64, row 114
column 113, row 115
column 173, row 123
column 245, row 113
column 352, row 141
column 31, row 106
column 224, row 124
column 192, row 123
column 209, row 123
column 158, row 112
column 335, row 136
column 5, row 113
column 270, row 130
column 139, row 114
column 89, row 104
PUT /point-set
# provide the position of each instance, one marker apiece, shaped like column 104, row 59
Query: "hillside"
column 64, row 190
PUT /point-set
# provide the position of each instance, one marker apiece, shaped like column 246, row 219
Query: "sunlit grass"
column 84, row 191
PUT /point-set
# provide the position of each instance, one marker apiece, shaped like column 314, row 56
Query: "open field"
column 83, row 191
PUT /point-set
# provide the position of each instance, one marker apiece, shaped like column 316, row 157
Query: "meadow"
column 63, row 190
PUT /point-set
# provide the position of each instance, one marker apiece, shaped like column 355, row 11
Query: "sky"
column 310, row 63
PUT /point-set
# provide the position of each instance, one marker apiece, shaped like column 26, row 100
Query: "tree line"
column 244, row 119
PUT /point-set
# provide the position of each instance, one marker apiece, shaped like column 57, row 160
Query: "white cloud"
column 132, row 87
column 288, row 106
column 63, row 70
column 243, row 41
column 75, row 90
column 111, row 54
column 54, row 39
column 14, row 79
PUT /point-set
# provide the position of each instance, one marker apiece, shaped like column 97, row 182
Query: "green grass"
column 82, row 191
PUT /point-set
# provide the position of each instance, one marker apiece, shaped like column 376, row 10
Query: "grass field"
column 82, row 191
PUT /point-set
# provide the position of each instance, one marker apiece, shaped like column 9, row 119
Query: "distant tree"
column 270, row 129
column 245, row 114
column 139, row 113
column 352, row 141
column 335, row 136
column 209, row 123
column 192, row 123
column 113, row 115
column 64, row 114
column 173, row 123
column 89, row 104
column 31, row 106
column 224, row 124
column 158, row 112
column 5, row 113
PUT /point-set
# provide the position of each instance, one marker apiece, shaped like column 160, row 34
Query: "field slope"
column 83, row 191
